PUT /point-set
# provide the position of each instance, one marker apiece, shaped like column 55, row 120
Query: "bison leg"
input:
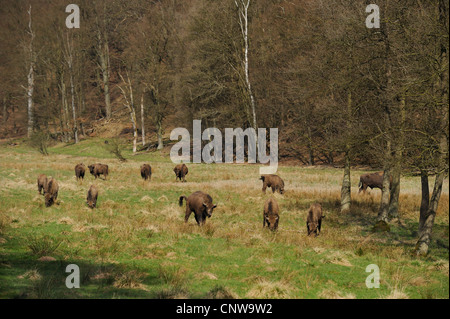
column 307, row 228
column 264, row 187
column 188, row 213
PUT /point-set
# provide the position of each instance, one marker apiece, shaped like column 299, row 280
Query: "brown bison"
column 314, row 219
column 273, row 181
column 51, row 193
column 201, row 204
column 98, row 169
column 92, row 195
column 372, row 180
column 181, row 171
column 80, row 169
column 271, row 214
column 42, row 184
column 146, row 172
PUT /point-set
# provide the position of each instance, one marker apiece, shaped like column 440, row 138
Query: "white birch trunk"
column 30, row 78
column 243, row 22
column 142, row 120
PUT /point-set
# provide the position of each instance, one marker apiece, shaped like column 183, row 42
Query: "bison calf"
column 314, row 219
column 92, row 195
column 372, row 180
column 181, row 171
column 273, row 181
column 201, row 204
column 98, row 169
column 146, row 172
column 271, row 214
column 51, row 193
column 42, row 184
column 80, row 170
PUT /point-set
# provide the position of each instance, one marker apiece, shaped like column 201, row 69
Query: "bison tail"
column 180, row 202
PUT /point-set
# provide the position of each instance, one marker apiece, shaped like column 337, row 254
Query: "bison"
column 42, row 184
column 181, row 171
column 314, row 219
column 80, row 169
column 273, row 181
column 146, row 172
column 92, row 195
column 201, row 204
column 98, row 169
column 372, row 180
column 51, row 193
column 271, row 214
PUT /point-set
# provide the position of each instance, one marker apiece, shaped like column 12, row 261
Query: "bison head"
column 209, row 208
column 90, row 203
column 48, row 200
column 91, row 169
column 272, row 221
column 312, row 227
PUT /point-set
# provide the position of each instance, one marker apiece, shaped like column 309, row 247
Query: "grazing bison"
column 80, row 169
column 98, row 169
column 273, row 181
column 199, row 203
column 51, row 193
column 372, row 180
column 92, row 195
column 181, row 171
column 271, row 214
column 314, row 219
column 146, row 172
column 42, row 183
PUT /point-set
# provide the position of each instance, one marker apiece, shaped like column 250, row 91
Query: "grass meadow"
column 135, row 244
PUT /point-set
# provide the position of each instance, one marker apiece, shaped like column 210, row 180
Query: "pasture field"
column 135, row 244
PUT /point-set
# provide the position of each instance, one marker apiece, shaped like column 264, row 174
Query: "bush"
column 115, row 147
column 40, row 141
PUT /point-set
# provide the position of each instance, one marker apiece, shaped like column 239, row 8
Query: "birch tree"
column 242, row 6
column 127, row 93
column 30, row 76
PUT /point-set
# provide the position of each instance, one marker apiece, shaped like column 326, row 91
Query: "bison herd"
column 200, row 203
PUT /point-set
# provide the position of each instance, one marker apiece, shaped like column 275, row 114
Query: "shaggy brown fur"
column 181, row 171
column 271, row 214
column 92, row 195
column 99, row 169
column 80, row 170
column 273, row 181
column 372, row 180
column 51, row 194
column 42, row 183
column 146, row 172
column 201, row 204
column 314, row 219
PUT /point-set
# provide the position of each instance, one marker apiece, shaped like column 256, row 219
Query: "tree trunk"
column 30, row 77
column 385, row 191
column 159, row 132
column 243, row 23
column 142, row 120
column 346, row 189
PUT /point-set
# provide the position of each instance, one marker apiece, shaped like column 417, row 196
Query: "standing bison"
column 271, row 214
column 273, row 181
column 80, row 169
column 42, row 184
column 92, row 195
column 372, row 180
column 98, row 169
column 314, row 219
column 51, row 193
column 146, row 172
column 201, row 204
column 181, row 171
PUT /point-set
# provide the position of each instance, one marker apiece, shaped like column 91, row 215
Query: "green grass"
column 135, row 244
